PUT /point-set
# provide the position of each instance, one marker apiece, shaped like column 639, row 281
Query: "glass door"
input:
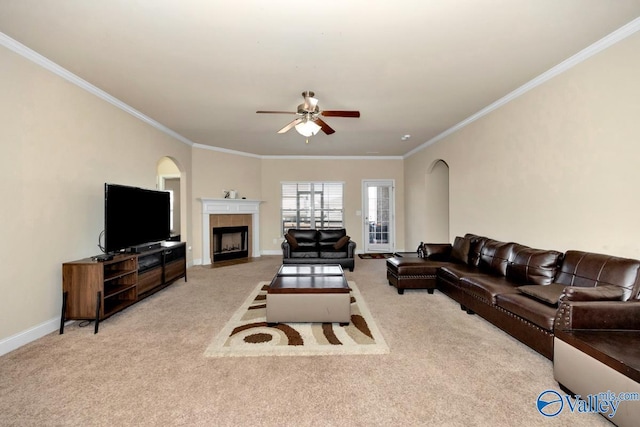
column 378, row 216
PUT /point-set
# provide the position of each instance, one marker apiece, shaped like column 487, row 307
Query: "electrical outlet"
column 275, row 241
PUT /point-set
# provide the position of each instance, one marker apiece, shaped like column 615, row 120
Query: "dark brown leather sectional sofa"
column 524, row 291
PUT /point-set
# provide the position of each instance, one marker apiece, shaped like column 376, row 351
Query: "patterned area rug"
column 247, row 333
column 375, row 255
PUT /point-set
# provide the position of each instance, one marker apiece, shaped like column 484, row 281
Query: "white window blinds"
column 312, row 205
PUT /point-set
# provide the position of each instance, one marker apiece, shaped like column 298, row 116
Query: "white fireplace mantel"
column 229, row 207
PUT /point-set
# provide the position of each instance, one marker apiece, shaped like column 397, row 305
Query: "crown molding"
column 49, row 65
column 586, row 53
column 292, row 157
column 225, row 150
column 333, row 157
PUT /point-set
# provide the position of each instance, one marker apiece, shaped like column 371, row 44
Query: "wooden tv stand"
column 94, row 290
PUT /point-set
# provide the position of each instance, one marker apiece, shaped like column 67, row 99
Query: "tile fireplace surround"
column 215, row 211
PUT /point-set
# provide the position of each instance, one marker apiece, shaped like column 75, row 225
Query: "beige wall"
column 215, row 171
column 260, row 178
column 349, row 171
column 58, row 146
column 555, row 168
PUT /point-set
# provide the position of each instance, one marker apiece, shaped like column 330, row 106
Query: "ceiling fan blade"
column 340, row 113
column 325, row 127
column 276, row 112
column 291, row 125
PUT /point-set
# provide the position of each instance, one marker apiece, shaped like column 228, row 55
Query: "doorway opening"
column 378, row 202
column 170, row 179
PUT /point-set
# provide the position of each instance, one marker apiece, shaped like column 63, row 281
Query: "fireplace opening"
column 230, row 243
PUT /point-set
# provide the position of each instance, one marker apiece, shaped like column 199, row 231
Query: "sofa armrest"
column 437, row 251
column 621, row 315
column 598, row 293
column 286, row 249
column 351, row 249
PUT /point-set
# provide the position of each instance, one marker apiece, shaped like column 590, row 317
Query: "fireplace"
column 230, row 243
column 218, row 213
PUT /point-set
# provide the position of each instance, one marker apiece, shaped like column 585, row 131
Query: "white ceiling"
column 203, row 67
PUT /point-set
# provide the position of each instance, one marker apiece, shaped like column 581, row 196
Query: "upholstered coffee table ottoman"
column 309, row 293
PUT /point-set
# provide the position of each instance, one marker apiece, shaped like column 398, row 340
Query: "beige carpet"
column 247, row 333
column 146, row 367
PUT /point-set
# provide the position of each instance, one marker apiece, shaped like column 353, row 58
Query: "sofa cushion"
column 599, row 293
column 305, row 238
column 460, row 250
column 452, row 273
column 413, row 266
column 540, row 314
column 586, row 269
column 549, row 294
column 476, row 243
column 530, row 266
column 436, row 251
column 487, row 287
column 342, row 242
column 293, row 243
column 495, row 256
column 333, row 254
column 331, row 235
column 305, row 252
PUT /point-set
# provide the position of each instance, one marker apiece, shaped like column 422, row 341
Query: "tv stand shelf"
column 112, row 275
column 94, row 290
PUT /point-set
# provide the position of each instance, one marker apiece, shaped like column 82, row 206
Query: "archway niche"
column 437, row 203
column 171, row 178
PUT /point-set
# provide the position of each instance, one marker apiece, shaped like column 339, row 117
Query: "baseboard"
column 279, row 252
column 25, row 337
column 272, row 252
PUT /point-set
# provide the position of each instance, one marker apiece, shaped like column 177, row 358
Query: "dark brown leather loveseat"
column 330, row 246
column 527, row 292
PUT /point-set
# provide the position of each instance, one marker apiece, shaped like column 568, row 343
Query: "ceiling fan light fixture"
column 308, row 123
column 308, row 128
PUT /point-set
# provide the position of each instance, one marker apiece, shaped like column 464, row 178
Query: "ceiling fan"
column 308, row 122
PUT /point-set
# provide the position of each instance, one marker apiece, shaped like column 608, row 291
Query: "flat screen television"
column 134, row 216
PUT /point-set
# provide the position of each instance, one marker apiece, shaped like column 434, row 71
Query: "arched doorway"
column 170, row 178
column 437, row 202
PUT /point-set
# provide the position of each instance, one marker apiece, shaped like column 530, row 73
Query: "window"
column 312, row 205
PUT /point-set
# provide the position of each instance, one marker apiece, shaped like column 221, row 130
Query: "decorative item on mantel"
column 230, row 194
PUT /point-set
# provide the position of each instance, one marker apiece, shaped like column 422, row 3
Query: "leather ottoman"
column 412, row 273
